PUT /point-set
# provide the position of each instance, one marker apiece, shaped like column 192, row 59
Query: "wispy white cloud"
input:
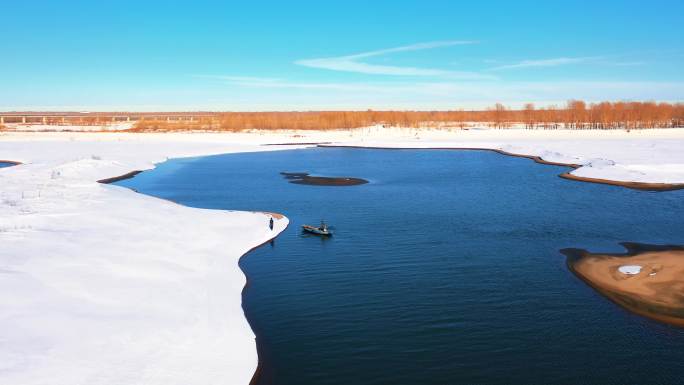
column 486, row 91
column 411, row 47
column 434, row 88
column 352, row 63
column 543, row 63
column 561, row 61
column 291, row 95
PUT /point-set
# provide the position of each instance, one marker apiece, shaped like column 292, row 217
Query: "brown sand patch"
column 10, row 162
column 656, row 291
column 125, row 176
column 633, row 185
column 274, row 215
column 305, row 178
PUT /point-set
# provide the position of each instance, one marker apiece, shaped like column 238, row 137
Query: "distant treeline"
column 574, row 115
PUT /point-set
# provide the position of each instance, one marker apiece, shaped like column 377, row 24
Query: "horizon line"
column 83, row 110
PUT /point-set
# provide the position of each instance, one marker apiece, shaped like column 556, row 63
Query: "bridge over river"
column 97, row 117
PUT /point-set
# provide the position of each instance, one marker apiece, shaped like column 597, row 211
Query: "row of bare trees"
column 575, row 114
column 606, row 115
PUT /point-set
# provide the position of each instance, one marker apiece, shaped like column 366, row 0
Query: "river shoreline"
column 566, row 175
column 57, row 171
column 278, row 217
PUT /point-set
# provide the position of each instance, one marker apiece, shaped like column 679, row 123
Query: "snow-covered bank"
column 645, row 156
column 101, row 285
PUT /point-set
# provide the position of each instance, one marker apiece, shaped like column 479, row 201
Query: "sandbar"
column 305, row 178
column 647, row 279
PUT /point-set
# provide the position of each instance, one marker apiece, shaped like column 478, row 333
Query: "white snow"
column 649, row 156
column 101, row 285
column 630, row 269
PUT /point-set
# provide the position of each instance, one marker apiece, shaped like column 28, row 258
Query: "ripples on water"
column 444, row 269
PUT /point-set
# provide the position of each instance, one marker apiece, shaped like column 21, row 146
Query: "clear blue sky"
column 285, row 55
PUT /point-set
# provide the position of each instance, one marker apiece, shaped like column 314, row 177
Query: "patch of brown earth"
column 656, row 291
column 305, row 178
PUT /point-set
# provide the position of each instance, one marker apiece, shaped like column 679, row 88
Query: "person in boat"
column 270, row 223
column 323, row 227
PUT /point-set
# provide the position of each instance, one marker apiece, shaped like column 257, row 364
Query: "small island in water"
column 647, row 279
column 305, row 178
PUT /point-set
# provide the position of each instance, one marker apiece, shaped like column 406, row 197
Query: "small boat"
column 320, row 230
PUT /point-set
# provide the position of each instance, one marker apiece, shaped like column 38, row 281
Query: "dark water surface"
column 444, row 269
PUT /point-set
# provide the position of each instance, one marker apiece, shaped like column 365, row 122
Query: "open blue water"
column 444, row 269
